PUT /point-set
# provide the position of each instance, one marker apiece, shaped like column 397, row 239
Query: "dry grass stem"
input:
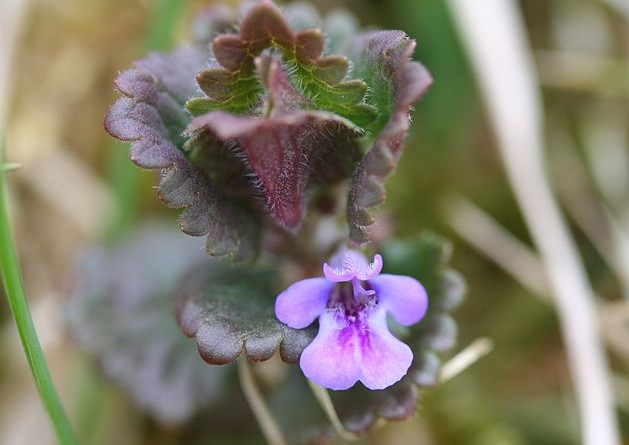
column 484, row 233
column 494, row 35
column 467, row 357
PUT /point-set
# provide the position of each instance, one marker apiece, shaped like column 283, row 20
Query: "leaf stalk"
column 261, row 411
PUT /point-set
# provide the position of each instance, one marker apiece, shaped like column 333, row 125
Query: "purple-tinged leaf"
column 120, row 310
column 229, row 310
column 283, row 96
column 231, row 52
column 262, row 27
column 289, row 150
column 310, row 44
column 264, row 24
column 317, row 78
column 332, row 69
column 383, row 60
column 360, row 409
column 284, row 152
column 151, row 115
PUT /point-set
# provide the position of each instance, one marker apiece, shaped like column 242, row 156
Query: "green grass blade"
column 165, row 17
column 14, row 289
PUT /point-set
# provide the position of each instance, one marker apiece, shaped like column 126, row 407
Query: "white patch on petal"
column 347, row 264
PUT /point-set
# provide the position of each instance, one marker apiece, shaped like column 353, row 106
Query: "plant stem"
column 268, row 425
column 9, row 167
column 11, row 20
column 456, row 365
column 323, row 397
column 14, row 288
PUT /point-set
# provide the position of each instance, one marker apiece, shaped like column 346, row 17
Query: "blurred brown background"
column 68, row 192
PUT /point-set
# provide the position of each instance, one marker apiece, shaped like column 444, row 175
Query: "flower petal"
column 342, row 354
column 338, row 275
column 347, row 264
column 404, row 297
column 385, row 359
column 366, row 271
column 300, row 304
column 331, row 360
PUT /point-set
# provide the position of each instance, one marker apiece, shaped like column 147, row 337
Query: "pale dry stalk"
column 494, row 35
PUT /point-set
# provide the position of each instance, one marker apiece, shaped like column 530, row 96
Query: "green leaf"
column 237, row 92
column 13, row 288
column 318, row 80
column 235, row 85
column 150, row 115
column 426, row 258
column 229, row 310
column 382, row 59
column 9, row 166
column 313, row 142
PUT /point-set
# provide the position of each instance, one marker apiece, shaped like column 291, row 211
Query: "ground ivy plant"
column 275, row 137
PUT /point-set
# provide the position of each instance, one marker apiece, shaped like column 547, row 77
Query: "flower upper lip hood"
column 351, row 303
column 348, row 264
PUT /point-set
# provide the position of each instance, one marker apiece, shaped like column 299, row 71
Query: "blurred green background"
column 76, row 182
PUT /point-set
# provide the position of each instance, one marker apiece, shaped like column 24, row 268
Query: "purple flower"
column 351, row 303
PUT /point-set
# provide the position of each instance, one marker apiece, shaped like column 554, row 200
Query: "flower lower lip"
column 354, row 343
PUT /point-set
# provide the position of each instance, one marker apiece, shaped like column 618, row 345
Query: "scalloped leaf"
column 360, row 409
column 317, row 78
column 121, row 311
column 427, row 260
column 382, row 59
column 151, row 116
column 287, row 151
column 229, row 310
column 236, row 92
column 284, row 153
